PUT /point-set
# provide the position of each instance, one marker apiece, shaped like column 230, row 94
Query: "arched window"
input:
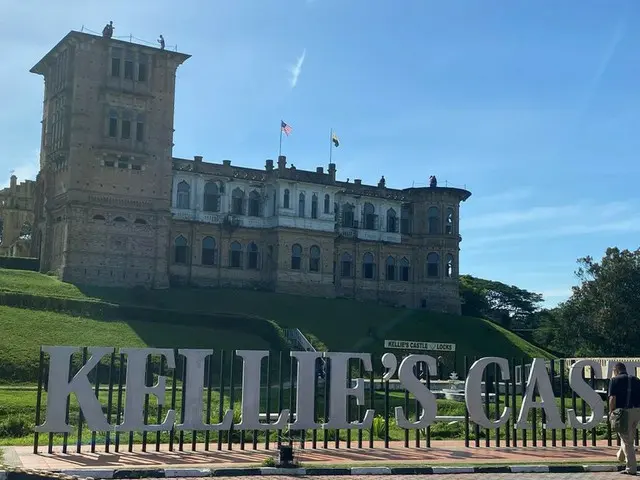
column 433, row 265
column 433, row 220
column 237, row 201
column 120, row 220
column 404, row 270
column 113, row 123
column 182, row 199
column 296, row 257
column 449, row 225
column 98, row 217
column 392, row 221
column 314, row 206
column 140, row 221
column 346, row 262
column 369, row 217
column 391, row 268
column 254, row 204
column 368, row 266
column 347, row 215
column 208, row 251
column 211, row 197
column 327, row 204
column 314, row 259
column 301, row 204
column 235, row 255
column 286, row 198
column 181, row 249
column 449, row 265
column 252, row 256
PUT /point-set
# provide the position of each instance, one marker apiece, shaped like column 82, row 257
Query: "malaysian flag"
column 285, row 128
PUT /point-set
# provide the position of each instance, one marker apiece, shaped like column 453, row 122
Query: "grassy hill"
column 341, row 325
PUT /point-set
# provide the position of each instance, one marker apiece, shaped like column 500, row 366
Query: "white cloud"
column 26, row 170
column 587, row 213
column 297, row 68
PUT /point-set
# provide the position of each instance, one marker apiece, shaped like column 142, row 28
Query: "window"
column 314, row 206
column 347, row 216
column 140, row 221
column 252, row 254
column 120, row 220
column 98, row 217
column 208, row 251
column 211, row 197
column 180, row 250
column 449, row 225
column 237, row 202
column 296, row 257
column 327, row 204
column 116, row 57
column 113, row 124
column 301, row 205
column 139, row 131
column 314, row 259
column 368, row 266
column 126, row 129
column 235, row 255
column 405, row 220
column 128, row 69
column 392, row 221
column 433, row 261
column 123, row 164
column 433, row 220
column 345, row 265
column 404, row 270
column 449, row 266
column 286, row 198
column 183, row 200
column 391, row 268
column 254, row 204
column 369, row 217
column 142, row 68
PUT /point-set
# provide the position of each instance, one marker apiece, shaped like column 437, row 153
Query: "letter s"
column 426, row 398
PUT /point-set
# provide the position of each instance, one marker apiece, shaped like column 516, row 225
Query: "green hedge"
column 268, row 330
column 20, row 263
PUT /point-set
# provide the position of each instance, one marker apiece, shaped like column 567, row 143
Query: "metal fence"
column 222, row 391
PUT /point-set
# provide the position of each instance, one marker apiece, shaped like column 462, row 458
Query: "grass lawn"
column 342, row 325
column 24, row 331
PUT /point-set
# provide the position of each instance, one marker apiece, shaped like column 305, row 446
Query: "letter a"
column 539, row 377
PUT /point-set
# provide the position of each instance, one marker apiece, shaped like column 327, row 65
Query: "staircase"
column 299, row 342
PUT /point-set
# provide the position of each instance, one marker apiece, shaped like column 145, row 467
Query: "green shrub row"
column 20, row 263
column 268, row 330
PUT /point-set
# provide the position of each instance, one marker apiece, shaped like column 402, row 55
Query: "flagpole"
column 280, row 148
column 330, row 144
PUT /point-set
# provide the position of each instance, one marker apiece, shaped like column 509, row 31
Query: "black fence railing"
column 278, row 391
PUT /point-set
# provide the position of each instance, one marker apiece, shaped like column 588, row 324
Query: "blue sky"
column 532, row 104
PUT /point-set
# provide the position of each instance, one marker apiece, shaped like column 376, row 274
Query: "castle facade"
column 113, row 207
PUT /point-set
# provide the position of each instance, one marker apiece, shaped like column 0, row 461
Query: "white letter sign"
column 473, row 392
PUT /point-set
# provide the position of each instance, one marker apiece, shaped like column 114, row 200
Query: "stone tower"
column 104, row 188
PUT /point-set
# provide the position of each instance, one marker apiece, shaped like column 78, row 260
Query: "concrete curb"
column 106, row 473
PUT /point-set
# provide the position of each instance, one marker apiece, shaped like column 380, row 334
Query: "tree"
column 506, row 304
column 602, row 317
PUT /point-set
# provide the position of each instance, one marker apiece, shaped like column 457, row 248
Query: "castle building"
column 113, row 207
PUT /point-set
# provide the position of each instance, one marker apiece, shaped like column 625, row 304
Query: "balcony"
column 369, row 229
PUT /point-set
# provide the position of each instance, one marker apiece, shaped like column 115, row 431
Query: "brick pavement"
column 462, row 476
column 444, row 452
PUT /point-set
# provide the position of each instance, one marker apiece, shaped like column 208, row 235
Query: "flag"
column 334, row 139
column 285, row 128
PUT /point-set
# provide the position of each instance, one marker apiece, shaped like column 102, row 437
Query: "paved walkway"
column 462, row 476
column 441, row 453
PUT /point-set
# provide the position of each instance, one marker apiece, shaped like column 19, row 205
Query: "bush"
column 20, row 263
column 16, row 427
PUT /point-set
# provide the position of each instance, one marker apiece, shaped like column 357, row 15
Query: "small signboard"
column 412, row 345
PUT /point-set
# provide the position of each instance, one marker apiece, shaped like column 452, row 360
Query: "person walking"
column 624, row 414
